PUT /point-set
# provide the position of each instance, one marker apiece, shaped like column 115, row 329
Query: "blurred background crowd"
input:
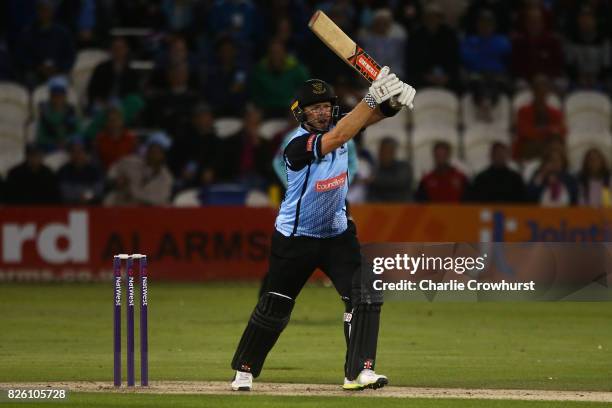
column 186, row 102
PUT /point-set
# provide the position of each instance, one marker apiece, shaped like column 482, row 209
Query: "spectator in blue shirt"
column 486, row 52
column 45, row 48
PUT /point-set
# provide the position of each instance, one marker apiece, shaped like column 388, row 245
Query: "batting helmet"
column 311, row 92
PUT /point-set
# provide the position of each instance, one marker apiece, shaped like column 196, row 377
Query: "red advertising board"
column 181, row 244
column 198, row 244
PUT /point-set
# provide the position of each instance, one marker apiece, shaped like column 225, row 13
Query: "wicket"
column 131, row 300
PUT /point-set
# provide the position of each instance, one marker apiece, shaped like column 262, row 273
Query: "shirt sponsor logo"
column 331, row 183
column 309, row 143
column 367, row 66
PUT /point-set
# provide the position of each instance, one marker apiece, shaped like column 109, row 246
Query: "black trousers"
column 294, row 259
column 292, row 262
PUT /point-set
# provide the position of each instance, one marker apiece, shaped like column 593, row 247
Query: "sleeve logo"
column 310, row 142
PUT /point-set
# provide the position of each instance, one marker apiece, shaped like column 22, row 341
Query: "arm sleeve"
column 278, row 163
column 302, row 150
column 279, row 168
column 353, row 160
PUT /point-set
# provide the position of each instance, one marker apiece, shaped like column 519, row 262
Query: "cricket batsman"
column 312, row 230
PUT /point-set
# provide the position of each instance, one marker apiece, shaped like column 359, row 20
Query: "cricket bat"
column 345, row 48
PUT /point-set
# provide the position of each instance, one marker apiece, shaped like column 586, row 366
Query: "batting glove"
column 406, row 96
column 385, row 86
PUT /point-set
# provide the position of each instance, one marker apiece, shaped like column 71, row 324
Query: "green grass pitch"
column 64, row 333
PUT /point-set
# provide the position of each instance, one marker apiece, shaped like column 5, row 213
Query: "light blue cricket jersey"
column 315, row 201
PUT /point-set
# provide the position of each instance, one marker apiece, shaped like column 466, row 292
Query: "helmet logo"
column 318, row 88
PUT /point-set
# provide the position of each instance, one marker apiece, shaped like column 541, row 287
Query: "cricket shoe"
column 242, row 381
column 366, row 379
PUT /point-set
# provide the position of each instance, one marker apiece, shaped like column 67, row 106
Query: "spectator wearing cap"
column 276, row 79
column 385, row 41
column 31, row 182
column 45, row 48
column 113, row 79
column 445, row 183
column 195, row 150
column 138, row 180
column 538, row 123
column 498, row 183
column 58, row 121
column 115, row 140
column 433, row 52
column 81, row 182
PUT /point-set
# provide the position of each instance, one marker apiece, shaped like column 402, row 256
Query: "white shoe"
column 242, row 381
column 366, row 379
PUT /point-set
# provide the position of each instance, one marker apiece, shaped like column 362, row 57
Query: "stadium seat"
column 477, row 141
column 423, row 140
column 529, row 169
column 12, row 146
column 41, row 94
column 257, row 198
column 587, row 111
column 14, row 104
column 500, row 115
column 271, row 127
column 227, row 126
column 30, row 131
column 579, row 142
column 86, row 62
column 187, row 198
column 399, row 121
column 435, row 107
column 375, row 133
column 56, row 159
column 224, row 194
column 525, row 97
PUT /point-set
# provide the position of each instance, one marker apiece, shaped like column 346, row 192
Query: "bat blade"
column 345, row 48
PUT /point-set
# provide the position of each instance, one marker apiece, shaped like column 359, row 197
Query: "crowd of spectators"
column 145, row 130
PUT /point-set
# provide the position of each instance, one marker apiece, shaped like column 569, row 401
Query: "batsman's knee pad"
column 272, row 311
column 363, row 339
column 268, row 320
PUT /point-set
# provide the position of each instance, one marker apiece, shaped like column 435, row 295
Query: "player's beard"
column 320, row 123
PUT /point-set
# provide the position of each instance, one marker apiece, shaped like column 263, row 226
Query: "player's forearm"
column 347, row 127
column 376, row 117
